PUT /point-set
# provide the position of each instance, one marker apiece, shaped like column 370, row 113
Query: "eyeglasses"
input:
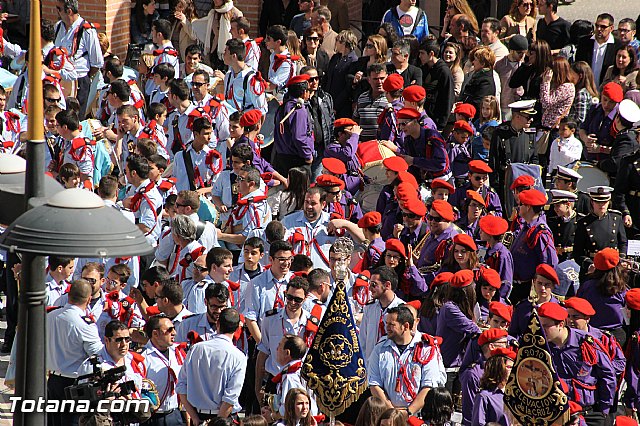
column 316, row 78
column 435, row 219
column 312, row 38
column 284, row 259
column 602, row 27
column 216, row 307
column 181, row 205
column 369, row 46
column 167, row 331
column 196, row 84
column 53, row 100
column 393, row 256
column 201, row 268
column 123, row 339
column 91, row 281
column 292, row 298
column 410, row 215
column 403, row 123
column 480, row 178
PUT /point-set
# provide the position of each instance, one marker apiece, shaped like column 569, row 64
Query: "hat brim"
column 526, row 111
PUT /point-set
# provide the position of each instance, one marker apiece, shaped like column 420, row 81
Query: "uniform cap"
column 629, row 111
column 297, row 79
column 466, row 241
column 581, row 305
column 552, row 310
column 605, row 259
column 548, row 272
column 329, row 181
column 523, row 180
column 441, row 278
column 506, row 352
column 475, row 196
column 414, row 93
column 463, row 125
column 533, row 197
column 600, row 193
column 467, row 110
column 479, row 166
column 250, row 118
column 462, row 278
column 370, row 219
column 523, row 107
column 491, row 335
column 441, row 183
column 408, row 113
column 568, row 174
column 501, row 310
column 485, row 275
column 395, row 164
column 406, row 177
column 444, row 209
column 344, row 122
column 613, row 91
column 393, row 82
column 493, row 225
column 395, row 245
column 333, row 165
column 415, row 206
column 560, row 196
column 633, row 299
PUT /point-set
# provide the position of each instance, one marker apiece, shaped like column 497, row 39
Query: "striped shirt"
column 367, row 112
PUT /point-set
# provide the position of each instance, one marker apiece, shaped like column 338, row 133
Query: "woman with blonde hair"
column 521, row 19
column 293, row 45
column 218, row 23
column 339, row 68
column 586, row 92
column 456, row 7
column 452, row 56
column 393, row 417
column 374, row 52
column 482, row 82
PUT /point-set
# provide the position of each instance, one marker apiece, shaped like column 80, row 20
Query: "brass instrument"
column 507, row 239
column 418, row 248
column 429, row 269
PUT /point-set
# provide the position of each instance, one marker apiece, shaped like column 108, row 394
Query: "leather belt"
column 208, row 412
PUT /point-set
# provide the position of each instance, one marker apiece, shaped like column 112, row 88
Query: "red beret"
column 344, row 122
column 501, row 310
column 606, row 259
column 414, row 93
column 581, row 305
column 463, row 125
column 625, row 421
column 441, row 278
column 548, row 272
column 475, row 196
column 479, row 166
column 416, row 304
column 296, row 79
column 333, row 165
column 466, row 241
column 486, row 275
column 444, row 209
column 410, row 113
column 393, row 82
column 633, row 299
column 395, row 164
column 574, row 408
column 462, row 278
column 533, row 197
column 493, row 225
column 415, row 206
column 370, row 219
column 491, row 335
column 506, row 352
column 250, row 117
column 613, row 91
column 405, row 191
column 552, row 310
column 465, row 109
column 523, row 180
column 362, row 279
column 441, row 183
column 329, row 181
column 406, row 177
column 395, row 245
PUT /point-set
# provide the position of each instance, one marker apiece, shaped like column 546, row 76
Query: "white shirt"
column 164, row 373
column 88, row 53
column 599, row 51
column 564, row 151
column 194, row 294
column 198, row 323
column 372, row 314
column 317, row 240
column 261, row 294
column 199, row 167
column 273, row 329
column 213, row 373
column 150, row 211
column 180, row 120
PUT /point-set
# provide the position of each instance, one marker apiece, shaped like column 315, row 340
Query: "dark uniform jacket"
column 594, row 234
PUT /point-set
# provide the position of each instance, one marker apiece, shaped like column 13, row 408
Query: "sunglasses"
column 167, row 331
column 481, row 178
column 181, row 205
column 369, row 46
column 602, row 27
column 196, row 84
column 284, row 259
column 403, row 123
column 312, row 38
column 292, row 298
column 53, row 100
column 124, row 339
column 333, row 192
column 316, row 78
column 435, row 219
column 410, row 215
column 91, row 281
column 201, row 268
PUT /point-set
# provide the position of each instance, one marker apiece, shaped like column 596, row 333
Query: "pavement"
column 590, row 9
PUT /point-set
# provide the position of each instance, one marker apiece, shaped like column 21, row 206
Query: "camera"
column 95, row 386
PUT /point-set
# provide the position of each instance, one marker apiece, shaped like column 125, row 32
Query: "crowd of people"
column 455, row 161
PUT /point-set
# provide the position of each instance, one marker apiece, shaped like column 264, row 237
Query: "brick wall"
column 112, row 15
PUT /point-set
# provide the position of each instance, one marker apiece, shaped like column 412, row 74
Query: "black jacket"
column 322, row 61
column 438, row 83
column 480, row 84
column 623, row 145
column 274, row 13
column 585, row 53
column 321, row 109
column 338, row 85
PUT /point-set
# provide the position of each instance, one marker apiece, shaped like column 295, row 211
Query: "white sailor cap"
column 524, row 107
column 629, row 111
column 568, row 174
column 560, row 196
column 600, row 193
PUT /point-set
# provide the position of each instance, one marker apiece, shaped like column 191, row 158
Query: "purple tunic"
column 499, row 258
column 412, row 285
column 388, row 125
column 259, row 163
column 347, row 154
column 488, row 406
column 348, row 208
column 459, row 157
column 470, row 383
column 296, row 138
column 521, row 315
column 609, row 312
column 530, row 251
column 429, row 154
column 456, row 330
column 458, row 198
column 616, row 355
column 428, row 252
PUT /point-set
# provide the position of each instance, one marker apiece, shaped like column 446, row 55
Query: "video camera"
column 97, row 385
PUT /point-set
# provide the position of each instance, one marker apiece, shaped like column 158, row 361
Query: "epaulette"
column 580, row 215
column 270, row 312
column 50, row 309
column 618, row 212
column 371, row 302
column 88, row 319
column 188, row 316
column 352, row 201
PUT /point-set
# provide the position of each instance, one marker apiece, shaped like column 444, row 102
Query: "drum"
column 268, row 126
column 591, row 175
column 515, row 170
column 370, row 155
column 94, row 95
column 368, row 197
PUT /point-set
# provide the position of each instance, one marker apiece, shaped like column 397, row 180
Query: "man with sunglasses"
column 290, row 319
column 346, row 134
column 302, row 21
column 599, row 50
column 321, row 111
column 339, row 204
column 441, row 230
column 479, row 182
column 93, row 273
column 413, row 228
column 216, row 298
column 163, row 360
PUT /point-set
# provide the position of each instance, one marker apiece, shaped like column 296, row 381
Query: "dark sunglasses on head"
column 410, row 215
column 292, row 298
column 434, row 219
